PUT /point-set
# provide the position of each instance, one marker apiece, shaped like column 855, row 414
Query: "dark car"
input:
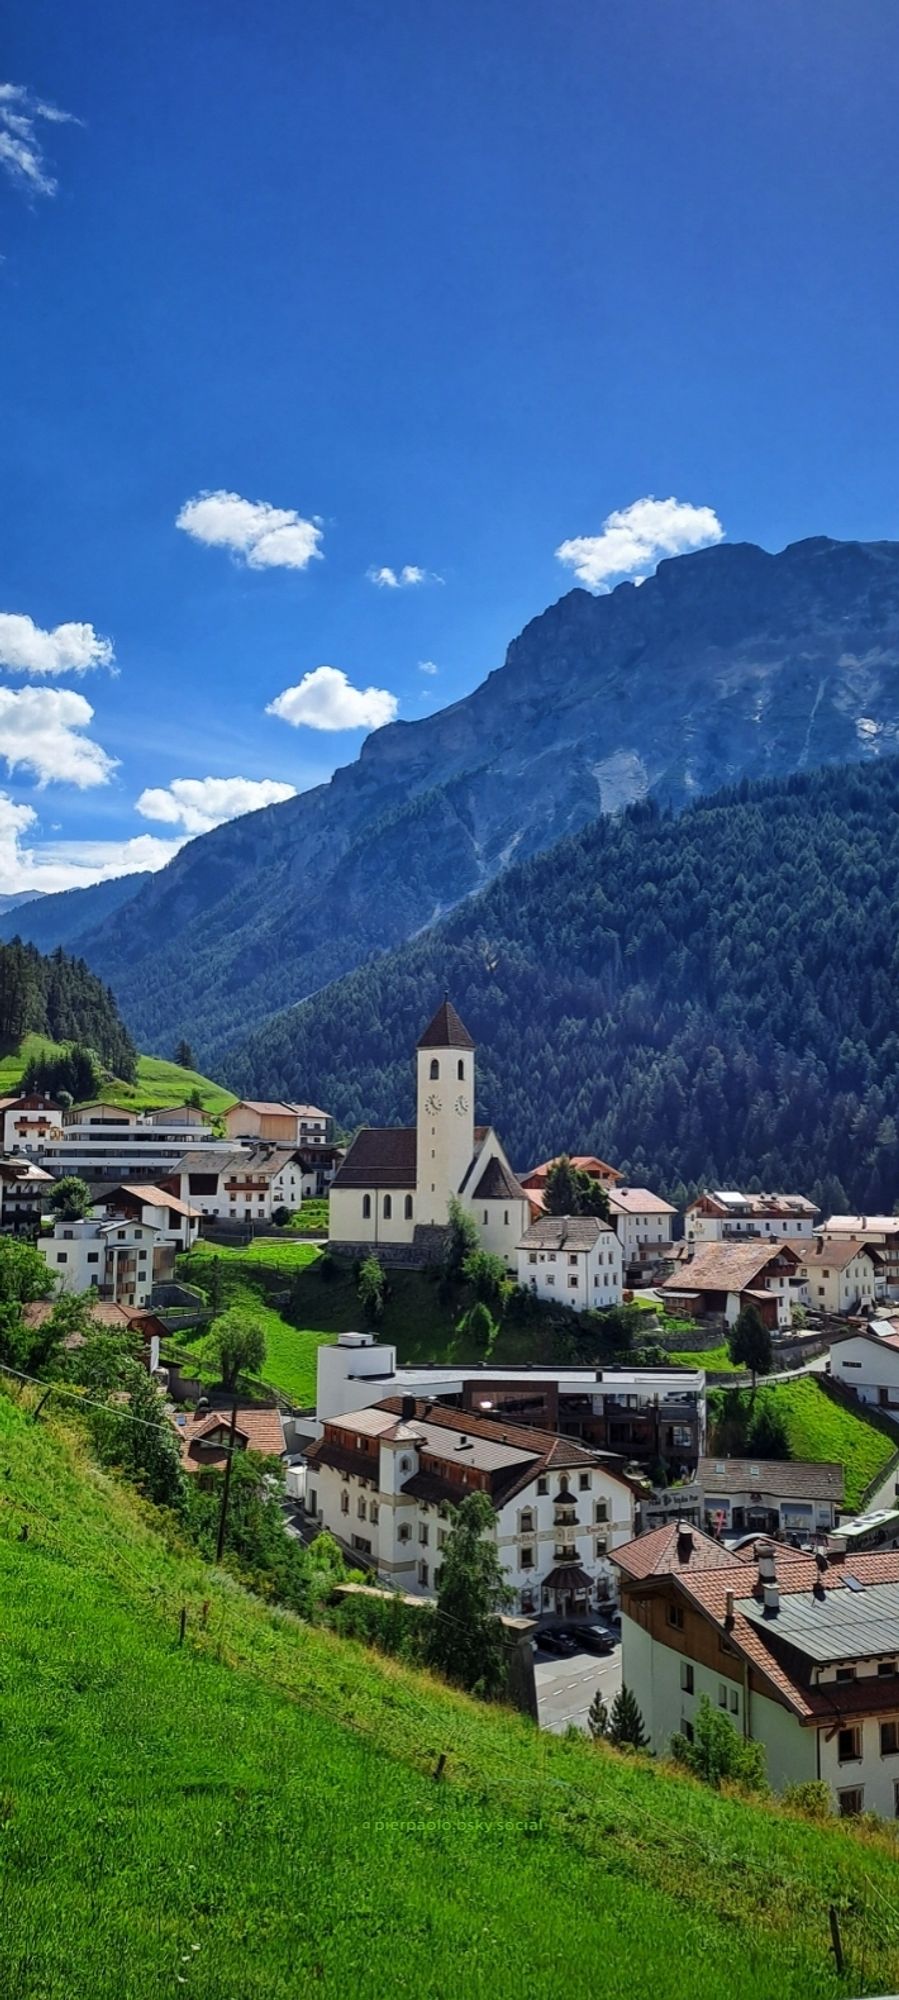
column 555, row 1640
column 592, row 1639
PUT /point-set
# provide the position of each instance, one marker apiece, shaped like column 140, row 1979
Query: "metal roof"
column 845, row 1624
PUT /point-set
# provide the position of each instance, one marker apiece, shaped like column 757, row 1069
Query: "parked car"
column 592, row 1639
column 554, row 1639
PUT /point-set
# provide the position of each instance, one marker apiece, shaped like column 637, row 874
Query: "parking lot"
column 565, row 1688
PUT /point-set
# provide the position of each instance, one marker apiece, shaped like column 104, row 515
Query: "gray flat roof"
column 845, row 1624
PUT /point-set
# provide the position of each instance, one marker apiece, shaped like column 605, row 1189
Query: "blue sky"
column 448, row 285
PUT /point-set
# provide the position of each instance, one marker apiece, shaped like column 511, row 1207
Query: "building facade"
column 572, row 1260
column 113, row 1257
column 792, row 1499
column 721, row 1278
column 725, row 1215
column 279, row 1124
column 382, row 1479
column 866, row 1361
column 841, row 1274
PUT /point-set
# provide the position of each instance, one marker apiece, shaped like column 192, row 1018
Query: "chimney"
column 836, row 1549
column 771, row 1600
column 766, row 1561
column 684, row 1541
column 407, row 1410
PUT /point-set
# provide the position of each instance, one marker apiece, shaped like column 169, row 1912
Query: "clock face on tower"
column 461, row 1105
column 433, row 1104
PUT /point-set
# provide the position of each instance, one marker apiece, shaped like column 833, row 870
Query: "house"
column 880, row 1230
column 394, row 1187
column 799, row 1651
column 113, row 1142
column 867, row 1362
column 381, row 1479
column 642, row 1221
column 572, row 1260
column 27, row 1120
column 240, row 1183
column 599, row 1170
column 176, row 1224
column 139, row 1321
column 205, row 1435
column 646, row 1414
column 113, row 1255
column 723, row 1277
column 768, row 1496
column 724, row 1215
column 25, row 1190
column 842, row 1274
column 281, row 1124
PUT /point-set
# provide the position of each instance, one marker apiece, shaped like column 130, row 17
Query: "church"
column 395, row 1184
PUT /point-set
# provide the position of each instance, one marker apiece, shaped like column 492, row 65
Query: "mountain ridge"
column 727, row 662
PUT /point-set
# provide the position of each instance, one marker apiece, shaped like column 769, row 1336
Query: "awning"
column 568, row 1576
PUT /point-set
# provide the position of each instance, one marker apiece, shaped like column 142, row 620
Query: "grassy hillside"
column 254, row 1813
column 819, row 1429
column 157, row 1082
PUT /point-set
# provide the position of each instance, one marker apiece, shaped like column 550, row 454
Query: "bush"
column 718, row 1755
column 811, row 1799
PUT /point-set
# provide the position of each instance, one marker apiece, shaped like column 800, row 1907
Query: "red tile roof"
column 258, row 1429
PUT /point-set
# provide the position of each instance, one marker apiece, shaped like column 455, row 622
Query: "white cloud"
column 22, row 141
column 68, row 864
column 400, row 579
column 262, row 536
column 198, row 804
column 428, row 667
column 633, row 539
column 325, row 699
column 25, row 648
column 40, row 730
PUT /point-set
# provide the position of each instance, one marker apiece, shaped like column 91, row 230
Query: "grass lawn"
column 289, row 1358
column 266, row 1253
column 821, row 1430
column 254, row 1813
column 715, row 1358
column 158, row 1083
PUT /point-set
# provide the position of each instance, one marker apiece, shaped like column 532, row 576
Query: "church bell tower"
column 445, row 1113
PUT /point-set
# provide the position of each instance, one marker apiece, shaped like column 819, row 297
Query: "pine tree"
column 598, row 1717
column 465, row 1638
column 626, row 1721
column 184, row 1055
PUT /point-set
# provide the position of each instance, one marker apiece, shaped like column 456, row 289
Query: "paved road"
column 565, row 1688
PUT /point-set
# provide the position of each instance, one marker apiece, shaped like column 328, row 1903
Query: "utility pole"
column 226, row 1489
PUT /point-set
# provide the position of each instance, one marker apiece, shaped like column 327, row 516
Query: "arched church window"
column 366, row 1207
column 408, row 1208
column 460, row 1070
column 388, row 1208
column 435, row 1069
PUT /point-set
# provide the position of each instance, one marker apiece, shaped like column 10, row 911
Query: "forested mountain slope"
column 727, row 662
column 705, row 996
column 48, row 921
column 61, row 998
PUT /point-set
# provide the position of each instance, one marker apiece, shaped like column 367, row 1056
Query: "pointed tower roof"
column 446, row 1031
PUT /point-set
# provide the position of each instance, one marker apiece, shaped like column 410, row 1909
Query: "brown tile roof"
column 155, row 1197
column 792, row 1479
column 586, row 1162
column 445, row 1031
column 835, row 1252
column 668, row 1551
column 568, row 1576
column 727, row 1267
column 258, row 1429
column 638, row 1201
column 564, row 1232
column 381, row 1156
column 498, row 1183
column 549, row 1449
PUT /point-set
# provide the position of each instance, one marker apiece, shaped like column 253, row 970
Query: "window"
column 849, row 1746
column 722, row 1694
column 526, row 1524
column 845, row 1673
column 505, row 1218
column 889, row 1739
column 361, row 1509
column 572, row 1258
column 601, row 1545
column 543, row 1483
column 62, row 1256
column 405, row 1465
column 686, row 1676
column 93, row 1256
column 735, row 1701
column 676, row 1617
column 550, row 1279
column 527, row 1558
column 423, row 1533
column 441, row 1537
column 366, row 1207
column 851, row 1803
column 486, row 1218
column 601, row 1510
column 583, row 1480
column 460, row 1070
column 407, row 1208
column 886, row 1668
column 435, row 1069
column 422, row 1572
column 403, row 1534
column 532, row 1256
column 388, row 1208
column 373, row 1513
column 344, row 1503
column 572, row 1284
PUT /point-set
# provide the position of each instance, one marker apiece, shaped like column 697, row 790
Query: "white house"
column 880, row 1230
column 726, row 1215
column 800, row 1652
column 24, row 1194
column 842, row 1274
column 26, row 1121
column 398, row 1180
column 241, row 1183
column 642, row 1222
column 176, row 1223
column 112, row 1142
column 572, row 1260
column 381, row 1479
column 867, row 1362
column 114, row 1256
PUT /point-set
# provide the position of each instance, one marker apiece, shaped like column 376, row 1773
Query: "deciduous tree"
column 465, row 1638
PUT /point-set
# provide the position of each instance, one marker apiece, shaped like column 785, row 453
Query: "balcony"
column 565, row 1514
